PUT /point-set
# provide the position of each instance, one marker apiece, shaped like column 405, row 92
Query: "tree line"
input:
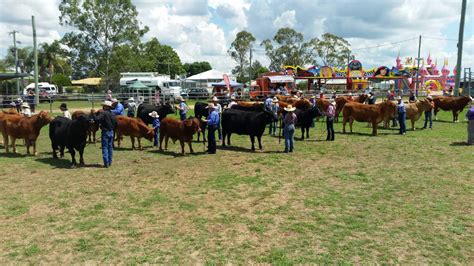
column 107, row 41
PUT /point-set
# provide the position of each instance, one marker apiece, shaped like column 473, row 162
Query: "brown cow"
column 342, row 100
column 449, row 103
column 93, row 128
column 11, row 111
column 27, row 128
column 182, row 130
column 133, row 127
column 375, row 114
column 248, row 104
column 3, row 116
column 415, row 110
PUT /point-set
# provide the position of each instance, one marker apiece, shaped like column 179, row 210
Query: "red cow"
column 133, row 127
column 179, row 130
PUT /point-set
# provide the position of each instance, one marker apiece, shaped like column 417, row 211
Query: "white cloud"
column 287, row 19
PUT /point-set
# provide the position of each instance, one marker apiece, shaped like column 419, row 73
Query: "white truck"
column 44, row 87
column 158, row 82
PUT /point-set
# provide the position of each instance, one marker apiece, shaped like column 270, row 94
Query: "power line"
column 445, row 39
column 381, row 45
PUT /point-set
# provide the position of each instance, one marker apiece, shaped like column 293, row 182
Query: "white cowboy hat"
column 131, row 99
column 275, row 100
column 107, row 103
column 114, row 100
column 13, row 104
column 429, row 97
column 232, row 97
column 210, row 106
column 154, row 114
column 179, row 98
column 332, row 102
column 290, row 108
column 398, row 98
column 313, row 96
column 25, row 105
column 214, row 99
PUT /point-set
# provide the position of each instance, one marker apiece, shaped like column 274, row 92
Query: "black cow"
column 253, row 108
column 200, row 111
column 163, row 110
column 245, row 123
column 72, row 134
column 305, row 119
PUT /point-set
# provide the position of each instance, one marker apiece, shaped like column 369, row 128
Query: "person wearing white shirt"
column 25, row 109
column 66, row 113
column 218, row 109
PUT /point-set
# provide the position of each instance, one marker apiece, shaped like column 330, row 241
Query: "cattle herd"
column 243, row 118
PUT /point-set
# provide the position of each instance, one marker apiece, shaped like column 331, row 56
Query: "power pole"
column 14, row 32
column 418, row 68
column 460, row 41
column 250, row 67
column 35, row 51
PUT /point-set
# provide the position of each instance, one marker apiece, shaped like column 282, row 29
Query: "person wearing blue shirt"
column 274, row 108
column 268, row 103
column 182, row 107
column 402, row 115
column 117, row 107
column 212, row 124
column 156, row 127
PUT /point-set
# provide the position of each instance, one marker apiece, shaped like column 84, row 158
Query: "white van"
column 50, row 89
column 171, row 88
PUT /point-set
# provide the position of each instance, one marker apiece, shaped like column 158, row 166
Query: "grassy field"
column 360, row 199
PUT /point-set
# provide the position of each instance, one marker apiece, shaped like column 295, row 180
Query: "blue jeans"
column 107, row 148
column 401, row 120
column 182, row 116
column 330, row 129
column 156, row 137
column 273, row 126
column 428, row 117
column 288, row 133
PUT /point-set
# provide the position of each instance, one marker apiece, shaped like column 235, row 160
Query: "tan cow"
column 374, row 114
column 449, row 103
column 133, row 127
column 415, row 110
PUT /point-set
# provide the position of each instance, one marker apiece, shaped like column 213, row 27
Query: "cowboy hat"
column 63, row 106
column 210, row 106
column 114, row 100
column 13, row 104
column 232, row 97
column 429, row 97
column 214, row 99
column 275, row 100
column 25, row 105
column 154, row 114
column 313, row 96
column 131, row 99
column 107, row 103
column 290, row 108
column 398, row 98
column 179, row 98
column 332, row 102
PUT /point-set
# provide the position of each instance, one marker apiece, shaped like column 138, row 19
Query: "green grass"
column 359, row 200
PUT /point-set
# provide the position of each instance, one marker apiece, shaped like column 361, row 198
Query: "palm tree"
column 49, row 57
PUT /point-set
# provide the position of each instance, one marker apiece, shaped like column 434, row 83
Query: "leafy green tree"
column 332, row 50
column 196, row 68
column 61, row 81
column 100, row 27
column 25, row 54
column 257, row 69
column 239, row 51
column 289, row 48
column 52, row 59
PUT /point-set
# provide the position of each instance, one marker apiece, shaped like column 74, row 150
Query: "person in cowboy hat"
column 66, row 113
column 182, row 107
column 275, row 107
column 212, row 124
column 371, row 100
column 117, row 107
column 156, row 127
column 429, row 113
column 218, row 108
column 132, row 107
column 289, row 121
column 402, row 115
column 25, row 109
column 330, row 113
column 108, row 123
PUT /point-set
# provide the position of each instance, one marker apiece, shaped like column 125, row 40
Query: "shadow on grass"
column 63, row 163
column 13, row 155
column 178, row 154
column 242, row 149
column 459, row 143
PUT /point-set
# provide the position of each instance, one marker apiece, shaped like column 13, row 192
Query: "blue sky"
column 203, row 29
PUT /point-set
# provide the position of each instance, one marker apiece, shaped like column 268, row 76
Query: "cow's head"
column 389, row 109
column 193, row 124
column 271, row 116
column 150, row 134
column 44, row 117
column 425, row 105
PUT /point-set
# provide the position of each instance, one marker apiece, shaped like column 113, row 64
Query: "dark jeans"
column 401, row 120
column 156, row 137
column 428, row 118
column 107, row 148
column 289, row 133
column 182, row 116
column 219, row 130
column 273, row 127
column 131, row 114
column 211, row 139
column 330, row 129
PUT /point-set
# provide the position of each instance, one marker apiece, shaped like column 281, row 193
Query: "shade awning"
column 87, row 81
column 281, row 79
column 137, row 85
column 222, row 84
column 8, row 76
